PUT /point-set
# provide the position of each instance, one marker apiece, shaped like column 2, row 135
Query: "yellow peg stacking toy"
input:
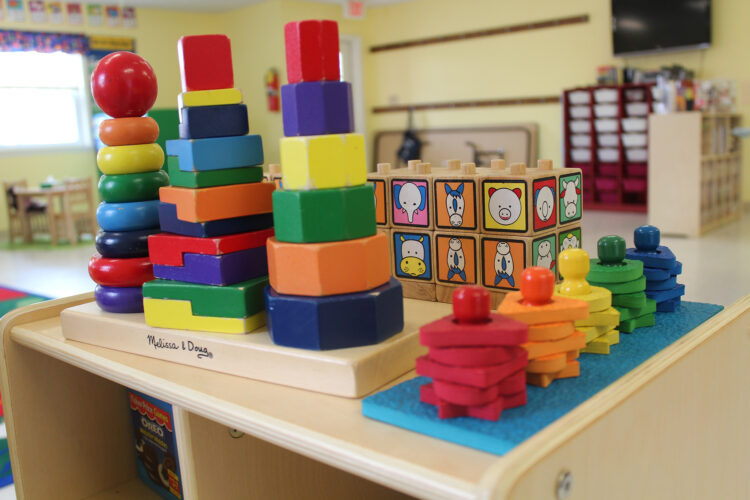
column 599, row 327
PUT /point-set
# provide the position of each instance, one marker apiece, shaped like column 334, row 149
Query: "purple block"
column 220, row 270
column 317, row 108
column 119, row 300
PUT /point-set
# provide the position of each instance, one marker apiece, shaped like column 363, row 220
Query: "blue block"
column 400, row 405
column 317, row 108
column 648, row 251
column 200, row 122
column 335, row 321
column 215, row 153
column 658, row 285
column 132, row 216
column 677, row 269
column 670, row 305
column 124, row 244
column 664, row 295
column 171, row 224
column 219, row 270
column 654, row 274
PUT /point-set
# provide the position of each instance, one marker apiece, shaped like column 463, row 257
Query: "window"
column 43, row 101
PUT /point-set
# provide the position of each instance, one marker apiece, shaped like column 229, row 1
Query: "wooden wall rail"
column 502, row 30
column 510, row 101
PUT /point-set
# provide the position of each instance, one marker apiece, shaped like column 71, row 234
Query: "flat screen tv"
column 640, row 26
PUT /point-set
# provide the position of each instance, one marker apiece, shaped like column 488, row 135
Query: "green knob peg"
column 611, row 250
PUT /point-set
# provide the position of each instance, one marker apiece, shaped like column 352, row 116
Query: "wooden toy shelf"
column 696, row 172
column 675, row 427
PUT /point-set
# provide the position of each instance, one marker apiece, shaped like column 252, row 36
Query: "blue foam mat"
column 400, row 405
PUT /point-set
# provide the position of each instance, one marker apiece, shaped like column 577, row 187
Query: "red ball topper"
column 124, row 85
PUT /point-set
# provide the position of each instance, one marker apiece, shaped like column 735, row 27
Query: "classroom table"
column 60, row 191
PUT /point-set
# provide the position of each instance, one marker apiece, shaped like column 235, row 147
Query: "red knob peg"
column 537, row 285
column 471, row 304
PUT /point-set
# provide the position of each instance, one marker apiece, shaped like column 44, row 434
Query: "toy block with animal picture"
column 411, row 197
column 412, row 262
column 518, row 200
column 456, row 195
column 379, row 180
column 504, row 257
column 456, row 262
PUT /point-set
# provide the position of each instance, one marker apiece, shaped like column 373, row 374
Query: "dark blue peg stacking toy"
column 660, row 267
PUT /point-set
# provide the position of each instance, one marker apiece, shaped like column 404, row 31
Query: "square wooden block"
column 504, row 257
column 456, row 197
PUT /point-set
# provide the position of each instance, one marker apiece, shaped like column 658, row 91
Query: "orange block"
column 572, row 369
column 557, row 309
column 567, row 345
column 220, row 202
column 551, row 331
column 317, row 269
column 551, row 363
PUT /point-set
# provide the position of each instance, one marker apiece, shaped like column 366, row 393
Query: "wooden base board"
column 419, row 291
column 342, row 372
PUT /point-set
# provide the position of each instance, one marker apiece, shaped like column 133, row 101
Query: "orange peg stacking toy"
column 554, row 343
column 475, row 362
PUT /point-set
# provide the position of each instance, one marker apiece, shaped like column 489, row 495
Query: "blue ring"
column 130, row 216
column 119, row 300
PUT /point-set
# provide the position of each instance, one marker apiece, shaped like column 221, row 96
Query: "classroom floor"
column 715, row 268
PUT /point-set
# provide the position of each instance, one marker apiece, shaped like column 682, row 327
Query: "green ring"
column 125, row 188
column 629, row 270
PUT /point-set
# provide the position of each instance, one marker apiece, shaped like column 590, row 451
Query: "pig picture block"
column 503, row 258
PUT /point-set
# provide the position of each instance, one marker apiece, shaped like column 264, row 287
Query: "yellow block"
column 216, row 97
column 323, row 161
column 594, row 332
column 574, row 265
column 609, row 317
column 602, row 344
column 178, row 314
column 116, row 160
column 599, row 298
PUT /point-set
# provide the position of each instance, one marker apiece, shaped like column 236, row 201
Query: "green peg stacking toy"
column 612, row 266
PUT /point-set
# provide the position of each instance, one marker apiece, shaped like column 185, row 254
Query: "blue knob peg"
column 646, row 238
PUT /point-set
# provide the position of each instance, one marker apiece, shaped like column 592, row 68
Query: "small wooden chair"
column 36, row 212
column 78, row 201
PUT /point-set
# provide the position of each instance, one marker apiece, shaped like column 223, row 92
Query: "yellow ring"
column 116, row 160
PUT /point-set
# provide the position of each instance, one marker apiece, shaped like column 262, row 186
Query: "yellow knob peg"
column 574, row 266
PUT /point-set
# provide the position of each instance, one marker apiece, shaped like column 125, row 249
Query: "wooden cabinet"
column 695, row 172
column 675, row 427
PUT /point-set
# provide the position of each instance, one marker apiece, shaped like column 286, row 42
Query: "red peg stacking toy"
column 554, row 344
column 124, row 85
column 475, row 362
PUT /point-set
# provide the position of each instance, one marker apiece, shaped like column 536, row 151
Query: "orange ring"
column 128, row 131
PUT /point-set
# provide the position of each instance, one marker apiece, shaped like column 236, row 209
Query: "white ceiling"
column 220, row 5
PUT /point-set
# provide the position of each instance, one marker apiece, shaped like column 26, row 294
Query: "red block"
column 489, row 411
column 167, row 249
column 477, row 376
column 312, row 51
column 205, row 62
column 465, row 395
column 497, row 331
column 120, row 272
column 474, row 356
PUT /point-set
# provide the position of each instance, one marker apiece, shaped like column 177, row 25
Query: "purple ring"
column 119, row 299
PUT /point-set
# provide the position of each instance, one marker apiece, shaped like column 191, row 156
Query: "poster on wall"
column 75, row 14
column 16, row 11
column 128, row 17
column 112, row 13
column 94, row 14
column 37, row 13
column 55, row 12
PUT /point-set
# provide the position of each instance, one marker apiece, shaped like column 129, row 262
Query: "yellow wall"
column 542, row 62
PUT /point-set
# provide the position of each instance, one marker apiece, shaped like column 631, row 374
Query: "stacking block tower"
column 330, row 286
column 124, row 86
column 475, row 359
column 210, row 263
column 600, row 328
column 660, row 267
column 624, row 278
column 554, row 343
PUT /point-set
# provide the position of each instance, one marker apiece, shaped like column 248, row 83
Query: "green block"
column 627, row 313
column 210, row 178
column 132, row 187
column 320, row 215
column 621, row 272
column 239, row 300
column 637, row 285
column 637, row 299
column 641, row 321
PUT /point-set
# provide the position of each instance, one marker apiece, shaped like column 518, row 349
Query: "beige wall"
column 542, row 62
